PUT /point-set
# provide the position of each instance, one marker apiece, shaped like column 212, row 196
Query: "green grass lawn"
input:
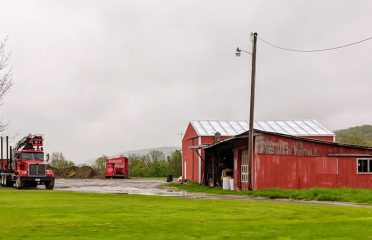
column 41, row 214
column 321, row 194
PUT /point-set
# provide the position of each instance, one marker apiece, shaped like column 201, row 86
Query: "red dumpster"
column 117, row 167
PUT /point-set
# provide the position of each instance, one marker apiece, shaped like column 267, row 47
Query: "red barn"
column 200, row 134
column 289, row 162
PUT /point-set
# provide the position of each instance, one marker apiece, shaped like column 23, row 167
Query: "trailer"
column 117, row 167
column 24, row 164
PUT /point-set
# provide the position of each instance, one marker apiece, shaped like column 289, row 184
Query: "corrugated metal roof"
column 289, row 127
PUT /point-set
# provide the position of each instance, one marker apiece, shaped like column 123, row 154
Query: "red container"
column 117, row 167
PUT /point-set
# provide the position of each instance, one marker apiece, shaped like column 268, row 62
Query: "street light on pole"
column 238, row 52
column 251, row 110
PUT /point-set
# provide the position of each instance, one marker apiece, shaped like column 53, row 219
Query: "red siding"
column 237, row 173
column 322, row 138
column 189, row 157
column 305, row 172
column 284, row 162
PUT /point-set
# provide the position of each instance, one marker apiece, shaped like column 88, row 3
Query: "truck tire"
column 7, row 181
column 49, row 185
column 19, row 183
column 32, row 184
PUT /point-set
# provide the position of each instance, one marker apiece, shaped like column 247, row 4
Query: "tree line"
column 153, row 164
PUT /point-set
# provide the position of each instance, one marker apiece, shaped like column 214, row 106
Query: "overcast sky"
column 103, row 77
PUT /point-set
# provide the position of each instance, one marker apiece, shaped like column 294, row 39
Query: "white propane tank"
column 226, row 183
column 232, row 184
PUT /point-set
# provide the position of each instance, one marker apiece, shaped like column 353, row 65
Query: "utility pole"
column 251, row 113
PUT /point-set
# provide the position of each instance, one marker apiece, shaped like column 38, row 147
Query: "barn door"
column 243, row 168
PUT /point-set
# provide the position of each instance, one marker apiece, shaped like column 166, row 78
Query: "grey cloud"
column 103, row 77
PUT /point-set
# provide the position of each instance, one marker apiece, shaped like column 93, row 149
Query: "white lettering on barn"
column 280, row 147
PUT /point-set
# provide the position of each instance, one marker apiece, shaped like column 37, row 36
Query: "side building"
column 288, row 162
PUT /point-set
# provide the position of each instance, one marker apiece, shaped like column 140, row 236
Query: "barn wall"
column 284, row 162
column 291, row 172
column 189, row 158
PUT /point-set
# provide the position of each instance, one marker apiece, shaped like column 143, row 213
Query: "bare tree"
column 58, row 156
column 58, row 160
column 100, row 164
column 6, row 80
column 156, row 155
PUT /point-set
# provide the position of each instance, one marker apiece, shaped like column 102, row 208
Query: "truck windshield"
column 33, row 156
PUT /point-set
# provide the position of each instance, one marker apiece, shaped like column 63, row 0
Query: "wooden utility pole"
column 251, row 113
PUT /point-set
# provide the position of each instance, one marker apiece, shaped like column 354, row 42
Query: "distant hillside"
column 166, row 150
column 360, row 135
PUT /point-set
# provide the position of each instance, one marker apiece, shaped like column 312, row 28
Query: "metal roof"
column 245, row 136
column 289, row 127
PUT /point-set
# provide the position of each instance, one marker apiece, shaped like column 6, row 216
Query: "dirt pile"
column 76, row 172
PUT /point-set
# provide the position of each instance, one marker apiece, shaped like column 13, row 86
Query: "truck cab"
column 30, row 168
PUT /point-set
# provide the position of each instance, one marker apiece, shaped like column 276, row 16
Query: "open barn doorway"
column 219, row 163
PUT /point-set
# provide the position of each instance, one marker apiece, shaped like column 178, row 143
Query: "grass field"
column 363, row 196
column 41, row 214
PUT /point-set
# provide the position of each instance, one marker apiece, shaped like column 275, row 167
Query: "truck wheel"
column 19, row 183
column 49, row 185
column 8, row 182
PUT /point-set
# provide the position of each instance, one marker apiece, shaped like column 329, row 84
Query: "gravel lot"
column 123, row 186
column 150, row 187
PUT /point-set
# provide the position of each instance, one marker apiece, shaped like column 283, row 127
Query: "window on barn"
column 364, row 165
column 244, row 173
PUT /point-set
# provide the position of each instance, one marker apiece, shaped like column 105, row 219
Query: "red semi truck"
column 25, row 165
column 117, row 167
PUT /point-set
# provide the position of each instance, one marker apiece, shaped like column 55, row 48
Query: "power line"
column 315, row 50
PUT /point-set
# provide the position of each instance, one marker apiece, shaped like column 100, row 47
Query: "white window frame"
column 369, row 165
column 244, row 173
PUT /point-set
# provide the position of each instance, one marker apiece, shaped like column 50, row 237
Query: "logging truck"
column 24, row 164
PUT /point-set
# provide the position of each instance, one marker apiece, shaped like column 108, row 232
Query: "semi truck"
column 117, row 167
column 24, row 164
